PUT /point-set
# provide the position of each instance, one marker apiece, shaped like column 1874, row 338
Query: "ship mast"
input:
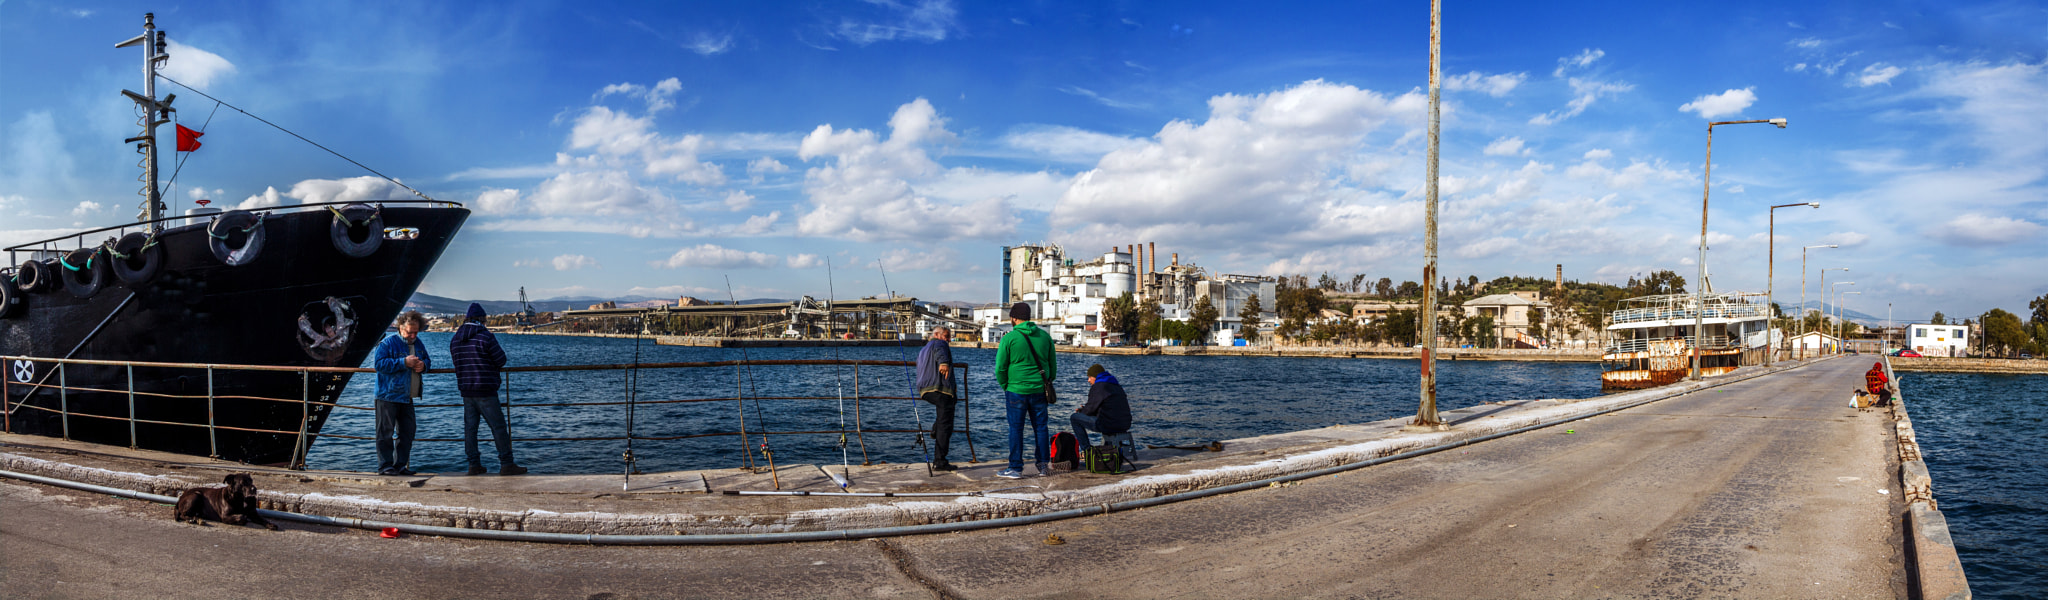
column 154, row 114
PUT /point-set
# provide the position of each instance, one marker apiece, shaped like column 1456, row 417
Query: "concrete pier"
column 1761, row 484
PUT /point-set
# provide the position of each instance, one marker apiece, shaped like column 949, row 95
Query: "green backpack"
column 1104, row 459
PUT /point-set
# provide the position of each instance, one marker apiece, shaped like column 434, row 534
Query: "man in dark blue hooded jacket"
column 1108, row 410
column 477, row 359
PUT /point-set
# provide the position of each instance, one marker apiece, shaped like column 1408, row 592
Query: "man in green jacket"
column 1024, row 367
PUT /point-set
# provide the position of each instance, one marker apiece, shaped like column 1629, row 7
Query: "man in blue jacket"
column 1108, row 410
column 478, row 358
column 935, row 384
column 399, row 360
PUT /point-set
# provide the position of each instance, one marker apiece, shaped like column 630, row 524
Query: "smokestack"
column 1155, row 255
column 1176, row 260
column 1138, row 252
column 1560, row 276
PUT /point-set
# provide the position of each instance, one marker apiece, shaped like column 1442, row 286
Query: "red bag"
column 1066, row 449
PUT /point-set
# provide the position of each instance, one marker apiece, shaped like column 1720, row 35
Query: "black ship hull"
column 301, row 302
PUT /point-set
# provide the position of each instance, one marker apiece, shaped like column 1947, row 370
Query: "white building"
column 1067, row 293
column 1814, row 342
column 1938, row 340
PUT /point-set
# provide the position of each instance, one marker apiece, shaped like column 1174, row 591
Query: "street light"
column 1802, row 295
column 1699, row 314
column 1839, row 328
column 1838, row 314
column 1771, row 282
column 1823, row 295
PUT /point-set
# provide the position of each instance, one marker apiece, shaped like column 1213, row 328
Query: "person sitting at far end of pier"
column 1875, row 382
column 1108, row 410
column 399, row 360
column 1024, row 368
column 935, row 384
column 478, row 358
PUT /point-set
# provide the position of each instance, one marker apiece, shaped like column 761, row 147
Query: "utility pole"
column 1426, row 417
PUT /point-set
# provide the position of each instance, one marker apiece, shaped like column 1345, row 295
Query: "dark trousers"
column 942, row 426
column 485, row 407
column 394, row 418
column 1082, row 424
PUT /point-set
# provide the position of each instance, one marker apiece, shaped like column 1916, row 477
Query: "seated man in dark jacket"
column 1107, row 411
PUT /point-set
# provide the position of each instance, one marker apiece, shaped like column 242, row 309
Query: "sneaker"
column 406, row 472
column 1010, row 474
column 475, row 470
column 512, row 470
column 944, row 466
column 1044, row 469
column 388, row 472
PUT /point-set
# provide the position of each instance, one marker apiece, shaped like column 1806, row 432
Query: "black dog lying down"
column 233, row 504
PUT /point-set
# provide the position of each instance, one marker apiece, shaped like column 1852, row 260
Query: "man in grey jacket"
column 935, row 384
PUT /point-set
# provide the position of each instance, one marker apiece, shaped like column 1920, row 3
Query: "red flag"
column 188, row 140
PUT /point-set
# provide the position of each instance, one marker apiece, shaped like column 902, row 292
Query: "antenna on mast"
column 154, row 113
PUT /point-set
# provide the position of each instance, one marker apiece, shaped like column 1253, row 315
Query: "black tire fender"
column 32, row 277
column 357, row 220
column 10, row 297
column 136, row 258
column 85, row 272
column 229, row 228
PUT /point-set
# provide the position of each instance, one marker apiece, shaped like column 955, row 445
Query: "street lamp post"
column 1840, row 329
column 1771, row 283
column 1699, row 314
column 1802, row 295
column 1824, row 297
column 1838, row 314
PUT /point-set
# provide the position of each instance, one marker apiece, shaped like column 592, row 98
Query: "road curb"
column 874, row 519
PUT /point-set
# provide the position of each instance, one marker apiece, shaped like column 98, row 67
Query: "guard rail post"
column 131, row 407
column 298, row 462
column 64, row 401
column 859, row 432
column 967, row 413
column 212, row 439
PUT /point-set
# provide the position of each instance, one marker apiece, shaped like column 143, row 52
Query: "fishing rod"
column 910, row 374
column 632, row 392
column 746, row 360
column 845, row 475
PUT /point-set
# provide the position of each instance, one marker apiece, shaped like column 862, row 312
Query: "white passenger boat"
column 1650, row 338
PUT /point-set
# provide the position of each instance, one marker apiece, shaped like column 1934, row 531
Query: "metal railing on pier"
column 1678, row 344
column 304, row 436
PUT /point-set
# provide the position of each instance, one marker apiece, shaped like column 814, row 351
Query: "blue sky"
column 657, row 148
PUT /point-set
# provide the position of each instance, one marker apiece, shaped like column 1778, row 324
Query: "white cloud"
column 659, row 98
column 353, row 189
column 200, row 193
column 570, row 262
column 1724, row 103
column 1632, row 177
column 805, row 261
column 1585, row 93
column 1877, row 73
column 1974, row 229
column 869, row 190
column 920, row 259
column 1099, row 98
column 195, row 67
column 87, row 208
column 1493, row 85
column 1599, row 153
column 737, row 200
column 707, row 44
column 713, row 256
column 759, row 169
column 1845, row 239
column 267, row 199
column 1507, row 146
column 594, row 193
column 1582, row 60
column 918, row 20
column 1037, row 190
column 618, row 136
column 1066, row 143
column 1262, row 167
column 496, row 202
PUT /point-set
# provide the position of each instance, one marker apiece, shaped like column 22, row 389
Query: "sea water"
column 1175, row 400
column 1986, row 445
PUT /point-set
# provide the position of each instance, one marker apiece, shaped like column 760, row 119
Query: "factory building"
column 1067, row 291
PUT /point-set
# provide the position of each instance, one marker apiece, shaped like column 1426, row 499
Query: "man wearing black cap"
column 1024, row 368
column 477, row 361
column 1108, row 410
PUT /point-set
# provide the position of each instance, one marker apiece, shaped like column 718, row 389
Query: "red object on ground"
column 390, row 533
column 188, row 140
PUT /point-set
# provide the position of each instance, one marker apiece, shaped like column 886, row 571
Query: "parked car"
column 1907, row 354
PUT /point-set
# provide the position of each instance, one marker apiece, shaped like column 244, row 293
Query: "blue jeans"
column 1019, row 406
column 486, row 408
column 1082, row 424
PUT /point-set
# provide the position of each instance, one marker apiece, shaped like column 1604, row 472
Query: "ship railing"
column 306, row 401
column 51, row 246
column 1714, row 311
column 1712, row 342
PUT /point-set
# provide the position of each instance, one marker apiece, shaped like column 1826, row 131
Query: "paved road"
column 1766, row 488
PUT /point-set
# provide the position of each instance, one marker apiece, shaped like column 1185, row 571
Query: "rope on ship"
column 302, row 138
